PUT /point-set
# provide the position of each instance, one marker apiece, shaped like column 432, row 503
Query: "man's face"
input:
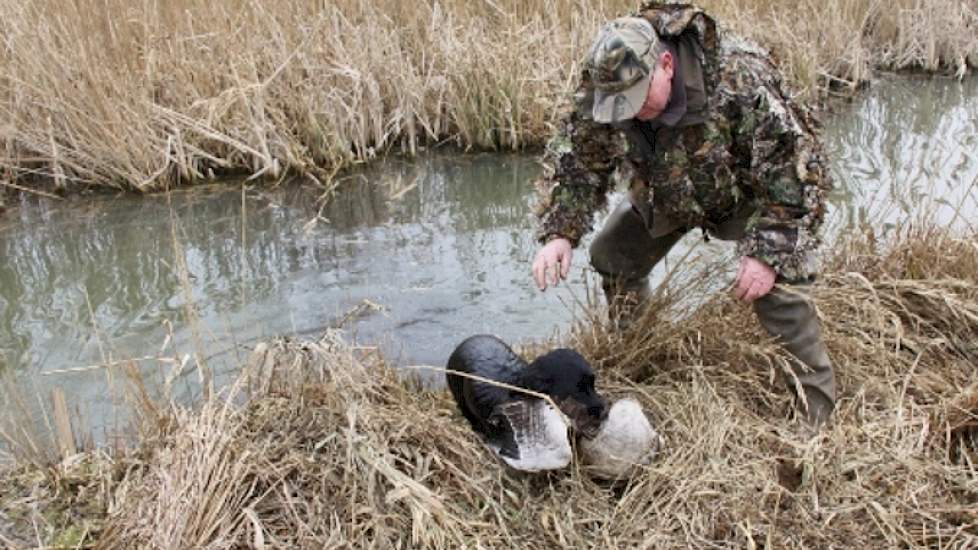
column 660, row 89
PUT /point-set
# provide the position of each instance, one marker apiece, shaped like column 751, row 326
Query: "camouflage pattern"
column 620, row 63
column 750, row 143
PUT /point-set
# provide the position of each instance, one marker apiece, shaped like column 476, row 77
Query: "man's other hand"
column 553, row 262
column 754, row 279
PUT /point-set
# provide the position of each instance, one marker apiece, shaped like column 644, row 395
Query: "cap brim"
column 618, row 106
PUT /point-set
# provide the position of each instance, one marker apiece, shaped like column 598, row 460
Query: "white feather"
column 541, row 436
column 625, row 442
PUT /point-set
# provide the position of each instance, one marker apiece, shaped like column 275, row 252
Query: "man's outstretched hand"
column 552, row 263
column 754, row 279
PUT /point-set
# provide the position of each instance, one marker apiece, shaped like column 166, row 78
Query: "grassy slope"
column 333, row 450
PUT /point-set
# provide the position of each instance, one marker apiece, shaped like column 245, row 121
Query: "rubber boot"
column 787, row 313
column 624, row 253
column 625, row 299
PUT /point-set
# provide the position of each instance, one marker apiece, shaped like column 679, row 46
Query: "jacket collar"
column 676, row 107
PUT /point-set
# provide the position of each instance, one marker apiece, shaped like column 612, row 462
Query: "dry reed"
column 325, row 446
column 142, row 95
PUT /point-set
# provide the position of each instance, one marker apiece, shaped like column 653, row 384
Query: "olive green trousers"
column 633, row 241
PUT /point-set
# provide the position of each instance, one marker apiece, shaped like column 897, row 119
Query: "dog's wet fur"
column 563, row 374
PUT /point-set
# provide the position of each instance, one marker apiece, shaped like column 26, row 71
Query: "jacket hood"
column 697, row 43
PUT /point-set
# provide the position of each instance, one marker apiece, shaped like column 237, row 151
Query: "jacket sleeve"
column 787, row 173
column 577, row 172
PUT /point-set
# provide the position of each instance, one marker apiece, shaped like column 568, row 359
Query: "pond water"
column 409, row 256
column 907, row 148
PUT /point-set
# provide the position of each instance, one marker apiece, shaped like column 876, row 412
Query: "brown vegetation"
column 141, row 95
column 325, row 446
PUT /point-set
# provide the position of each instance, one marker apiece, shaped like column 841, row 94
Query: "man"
column 699, row 127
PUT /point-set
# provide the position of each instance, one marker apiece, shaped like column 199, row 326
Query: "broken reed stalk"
column 494, row 383
column 191, row 315
column 19, row 430
column 62, row 424
column 145, row 95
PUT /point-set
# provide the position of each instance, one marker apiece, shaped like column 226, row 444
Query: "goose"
column 524, row 430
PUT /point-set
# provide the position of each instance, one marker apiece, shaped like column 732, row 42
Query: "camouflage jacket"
column 741, row 138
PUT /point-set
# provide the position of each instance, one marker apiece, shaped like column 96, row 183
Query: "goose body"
column 626, row 443
column 523, row 430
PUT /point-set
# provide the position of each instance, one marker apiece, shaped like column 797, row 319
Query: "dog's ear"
column 538, row 379
column 560, row 373
column 586, row 383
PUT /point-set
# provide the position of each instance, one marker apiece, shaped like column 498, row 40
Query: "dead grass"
column 143, row 95
column 840, row 43
column 325, row 446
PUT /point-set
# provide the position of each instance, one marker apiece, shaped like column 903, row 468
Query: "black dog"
column 563, row 374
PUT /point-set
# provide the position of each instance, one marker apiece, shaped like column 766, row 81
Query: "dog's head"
column 568, row 378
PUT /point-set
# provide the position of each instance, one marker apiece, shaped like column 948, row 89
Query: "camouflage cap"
column 621, row 62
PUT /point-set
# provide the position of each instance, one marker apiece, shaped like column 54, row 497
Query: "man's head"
column 631, row 70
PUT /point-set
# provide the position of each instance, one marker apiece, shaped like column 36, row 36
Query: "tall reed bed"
column 145, row 94
column 839, row 43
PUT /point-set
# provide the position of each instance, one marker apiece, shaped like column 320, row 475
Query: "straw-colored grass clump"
column 324, row 445
column 141, row 95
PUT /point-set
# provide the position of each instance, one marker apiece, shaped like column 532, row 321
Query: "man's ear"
column 668, row 63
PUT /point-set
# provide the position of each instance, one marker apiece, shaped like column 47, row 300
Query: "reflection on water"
column 96, row 279
column 907, row 147
column 92, row 279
